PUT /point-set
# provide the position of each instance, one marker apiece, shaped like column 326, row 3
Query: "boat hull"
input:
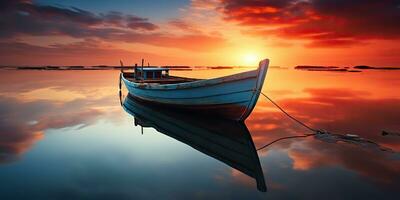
column 232, row 97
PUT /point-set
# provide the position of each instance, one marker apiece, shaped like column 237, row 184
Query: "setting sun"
column 250, row 59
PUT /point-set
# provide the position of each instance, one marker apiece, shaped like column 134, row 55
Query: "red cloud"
column 322, row 22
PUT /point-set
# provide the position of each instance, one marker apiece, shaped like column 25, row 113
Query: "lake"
column 65, row 135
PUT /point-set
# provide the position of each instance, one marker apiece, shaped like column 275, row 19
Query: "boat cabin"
column 152, row 73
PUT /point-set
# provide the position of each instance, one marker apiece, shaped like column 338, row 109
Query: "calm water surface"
column 65, row 135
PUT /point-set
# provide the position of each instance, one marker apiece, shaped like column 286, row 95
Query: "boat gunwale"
column 199, row 97
column 193, row 84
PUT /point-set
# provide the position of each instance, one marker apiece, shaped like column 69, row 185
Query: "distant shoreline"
column 358, row 68
column 315, row 68
column 104, row 67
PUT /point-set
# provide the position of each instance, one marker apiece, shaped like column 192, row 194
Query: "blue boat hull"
column 232, row 97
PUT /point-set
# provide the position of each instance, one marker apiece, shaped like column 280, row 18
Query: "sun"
column 250, row 59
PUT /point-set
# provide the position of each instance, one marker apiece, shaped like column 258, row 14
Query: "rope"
column 289, row 137
column 339, row 137
column 315, row 131
column 287, row 114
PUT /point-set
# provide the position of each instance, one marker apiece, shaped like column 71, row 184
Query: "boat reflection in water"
column 227, row 141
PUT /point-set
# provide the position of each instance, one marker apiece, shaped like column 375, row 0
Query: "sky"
column 200, row 32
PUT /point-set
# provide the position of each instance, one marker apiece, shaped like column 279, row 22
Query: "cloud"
column 24, row 18
column 198, row 42
column 183, row 25
column 135, row 22
column 204, row 4
column 324, row 23
column 96, row 52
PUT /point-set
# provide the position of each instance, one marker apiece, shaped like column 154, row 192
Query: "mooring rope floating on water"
column 315, row 131
column 328, row 136
column 284, row 138
column 291, row 117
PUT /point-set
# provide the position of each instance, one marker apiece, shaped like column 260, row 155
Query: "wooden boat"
column 232, row 97
column 225, row 140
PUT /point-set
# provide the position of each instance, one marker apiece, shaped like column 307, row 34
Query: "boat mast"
column 142, row 69
column 136, row 71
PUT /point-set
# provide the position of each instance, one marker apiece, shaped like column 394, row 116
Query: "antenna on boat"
column 122, row 65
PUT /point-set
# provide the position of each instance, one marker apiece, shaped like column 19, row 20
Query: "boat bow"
column 262, row 72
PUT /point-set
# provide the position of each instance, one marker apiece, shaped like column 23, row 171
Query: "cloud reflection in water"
column 298, row 165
